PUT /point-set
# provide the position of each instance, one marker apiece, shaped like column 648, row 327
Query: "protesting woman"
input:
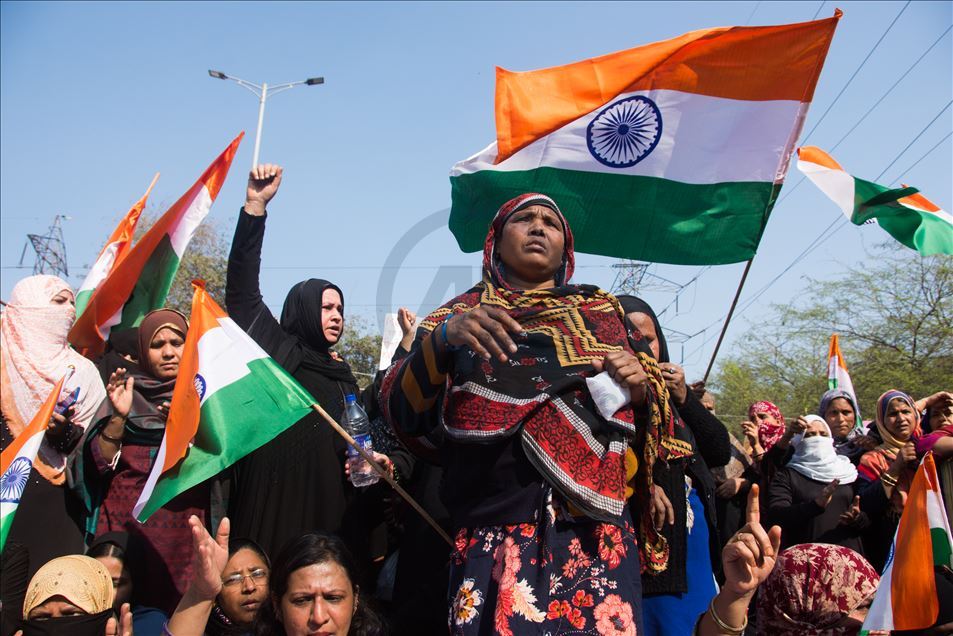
column 814, row 496
column 673, row 598
column 839, row 409
column 117, row 459
column 887, row 472
column 34, row 356
column 296, row 482
column 535, row 478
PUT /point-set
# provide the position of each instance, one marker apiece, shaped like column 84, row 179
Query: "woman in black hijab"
column 672, row 598
column 295, row 483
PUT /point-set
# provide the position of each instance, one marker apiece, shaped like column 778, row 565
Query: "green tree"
column 360, row 346
column 894, row 316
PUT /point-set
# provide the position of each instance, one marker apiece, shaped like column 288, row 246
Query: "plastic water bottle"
column 359, row 427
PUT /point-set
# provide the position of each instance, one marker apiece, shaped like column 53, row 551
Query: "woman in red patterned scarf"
column 536, row 480
column 816, row 589
column 764, row 427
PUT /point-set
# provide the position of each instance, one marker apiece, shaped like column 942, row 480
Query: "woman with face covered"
column 536, row 479
column 814, row 496
column 296, row 482
column 34, row 356
column 118, row 454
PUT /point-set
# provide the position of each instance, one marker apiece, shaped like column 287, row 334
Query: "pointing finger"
column 753, row 512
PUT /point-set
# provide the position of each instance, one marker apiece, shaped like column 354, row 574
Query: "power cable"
column 856, row 71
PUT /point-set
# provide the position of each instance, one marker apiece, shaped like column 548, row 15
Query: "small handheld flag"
column 16, row 461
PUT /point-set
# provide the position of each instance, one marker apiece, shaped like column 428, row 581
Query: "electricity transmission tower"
column 50, row 249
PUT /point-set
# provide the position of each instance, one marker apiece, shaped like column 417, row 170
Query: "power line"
column 922, row 157
column 825, row 234
column 856, row 71
column 890, row 90
column 818, row 12
column 753, row 11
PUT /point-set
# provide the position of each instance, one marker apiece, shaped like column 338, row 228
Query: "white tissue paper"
column 609, row 395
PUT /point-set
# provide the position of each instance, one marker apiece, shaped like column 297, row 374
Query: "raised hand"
column 751, row 431
column 121, row 627
column 209, row 557
column 730, row 487
column 749, row 556
column 486, row 330
column 120, row 391
column 625, row 369
column 824, row 497
column 406, row 319
column 263, row 182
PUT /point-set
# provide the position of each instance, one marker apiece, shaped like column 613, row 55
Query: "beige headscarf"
column 81, row 580
column 34, row 355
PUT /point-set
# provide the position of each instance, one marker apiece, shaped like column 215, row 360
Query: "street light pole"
column 262, row 92
column 261, row 119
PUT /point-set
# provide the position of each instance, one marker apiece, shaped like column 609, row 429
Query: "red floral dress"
column 562, row 575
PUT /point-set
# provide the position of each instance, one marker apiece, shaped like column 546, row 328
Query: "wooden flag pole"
column 731, row 312
column 383, row 473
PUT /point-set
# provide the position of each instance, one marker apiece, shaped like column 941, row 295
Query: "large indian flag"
column 907, row 597
column 16, row 461
column 838, row 378
column 903, row 212
column 116, row 249
column 230, row 398
column 671, row 152
column 141, row 282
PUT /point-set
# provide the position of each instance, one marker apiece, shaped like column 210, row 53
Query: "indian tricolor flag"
column 672, row 152
column 230, row 398
column 903, row 212
column 141, row 282
column 907, row 597
column 837, row 376
column 116, row 249
column 16, row 461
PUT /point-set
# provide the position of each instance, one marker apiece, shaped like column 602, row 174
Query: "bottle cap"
column 350, row 397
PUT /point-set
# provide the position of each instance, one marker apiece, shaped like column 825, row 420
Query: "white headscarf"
column 815, row 457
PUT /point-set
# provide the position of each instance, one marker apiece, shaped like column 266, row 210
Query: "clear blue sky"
column 96, row 97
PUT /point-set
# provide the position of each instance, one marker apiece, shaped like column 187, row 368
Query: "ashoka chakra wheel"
column 625, row 132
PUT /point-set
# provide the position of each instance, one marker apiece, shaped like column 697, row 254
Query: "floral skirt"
column 560, row 575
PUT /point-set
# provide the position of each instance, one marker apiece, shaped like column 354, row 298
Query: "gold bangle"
column 888, row 479
column 722, row 625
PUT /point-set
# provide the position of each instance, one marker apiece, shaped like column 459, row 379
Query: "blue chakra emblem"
column 14, row 480
column 625, row 132
column 200, row 385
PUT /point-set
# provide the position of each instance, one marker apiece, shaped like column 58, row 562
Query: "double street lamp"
column 262, row 92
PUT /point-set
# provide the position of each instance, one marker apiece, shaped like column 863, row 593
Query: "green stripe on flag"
column 925, row 232
column 152, row 286
column 942, row 551
column 236, row 420
column 625, row 216
column 82, row 299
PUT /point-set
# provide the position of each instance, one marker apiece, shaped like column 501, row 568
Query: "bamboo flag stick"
column 383, row 473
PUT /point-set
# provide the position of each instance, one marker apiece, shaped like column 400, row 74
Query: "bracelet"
column 115, row 440
column 728, row 629
column 888, row 480
column 443, row 334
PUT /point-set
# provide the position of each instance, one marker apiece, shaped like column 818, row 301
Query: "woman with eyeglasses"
column 244, row 589
column 226, row 590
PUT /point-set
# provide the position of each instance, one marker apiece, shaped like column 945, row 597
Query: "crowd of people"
column 588, row 487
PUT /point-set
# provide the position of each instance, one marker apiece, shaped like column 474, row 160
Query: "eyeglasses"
column 257, row 576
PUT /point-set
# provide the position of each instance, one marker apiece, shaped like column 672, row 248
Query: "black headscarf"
column 301, row 317
column 634, row 303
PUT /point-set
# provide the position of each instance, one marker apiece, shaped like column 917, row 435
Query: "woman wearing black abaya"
column 673, row 598
column 295, row 483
